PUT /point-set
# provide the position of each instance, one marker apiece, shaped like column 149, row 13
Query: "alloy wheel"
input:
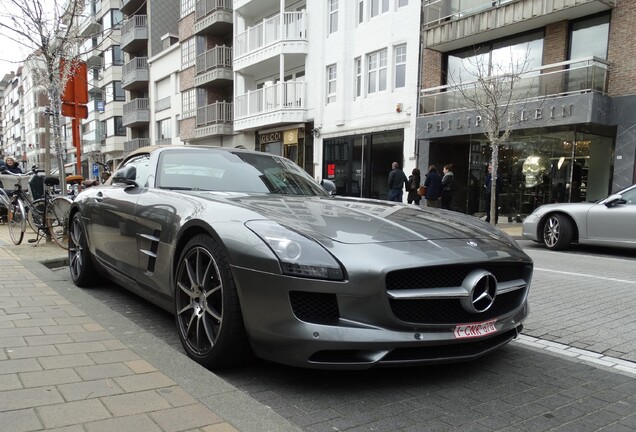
column 551, row 231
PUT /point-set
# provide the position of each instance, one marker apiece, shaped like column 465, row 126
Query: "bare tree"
column 493, row 91
column 49, row 30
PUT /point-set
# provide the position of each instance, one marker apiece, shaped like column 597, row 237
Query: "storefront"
column 360, row 164
column 562, row 150
column 291, row 142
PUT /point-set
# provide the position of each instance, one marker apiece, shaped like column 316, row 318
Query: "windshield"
column 233, row 171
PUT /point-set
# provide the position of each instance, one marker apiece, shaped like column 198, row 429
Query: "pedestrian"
column 397, row 183
column 12, row 166
column 414, row 183
column 433, row 184
column 488, row 186
column 448, row 186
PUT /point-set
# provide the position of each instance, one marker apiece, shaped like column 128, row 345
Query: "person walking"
column 488, row 186
column 433, row 184
column 414, row 183
column 448, row 186
column 397, row 183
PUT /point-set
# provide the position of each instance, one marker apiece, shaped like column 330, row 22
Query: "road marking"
column 586, row 275
column 580, row 354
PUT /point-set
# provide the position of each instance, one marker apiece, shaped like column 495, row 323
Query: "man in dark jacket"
column 397, row 183
column 433, row 185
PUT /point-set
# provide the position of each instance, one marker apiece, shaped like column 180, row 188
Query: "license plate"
column 475, row 329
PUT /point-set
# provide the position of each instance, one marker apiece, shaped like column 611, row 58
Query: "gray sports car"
column 608, row 222
column 255, row 257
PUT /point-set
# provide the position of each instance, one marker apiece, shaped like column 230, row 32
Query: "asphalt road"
column 584, row 298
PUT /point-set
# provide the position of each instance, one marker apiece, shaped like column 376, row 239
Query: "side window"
column 630, row 197
column 141, row 164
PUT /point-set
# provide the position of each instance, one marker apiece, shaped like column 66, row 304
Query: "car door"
column 113, row 227
column 615, row 224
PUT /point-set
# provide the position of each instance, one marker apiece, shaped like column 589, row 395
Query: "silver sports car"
column 608, row 222
column 255, row 257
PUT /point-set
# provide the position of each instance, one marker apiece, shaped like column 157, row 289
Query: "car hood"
column 358, row 221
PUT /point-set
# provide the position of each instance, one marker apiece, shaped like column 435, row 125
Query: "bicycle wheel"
column 34, row 217
column 17, row 221
column 57, row 213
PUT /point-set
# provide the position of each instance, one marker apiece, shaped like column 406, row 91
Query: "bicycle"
column 46, row 216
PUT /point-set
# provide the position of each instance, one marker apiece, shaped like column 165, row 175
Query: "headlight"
column 298, row 255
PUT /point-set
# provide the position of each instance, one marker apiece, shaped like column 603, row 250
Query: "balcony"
column 214, row 67
column 213, row 17
column 135, row 144
column 284, row 33
column 134, row 33
column 453, row 24
column 584, row 75
column 128, row 7
column 136, row 113
column 135, row 74
column 278, row 103
column 90, row 27
column 163, row 104
column 93, row 59
column 214, row 119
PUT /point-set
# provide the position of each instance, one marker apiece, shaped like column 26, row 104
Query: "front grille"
column 451, row 275
column 450, row 311
column 318, row 308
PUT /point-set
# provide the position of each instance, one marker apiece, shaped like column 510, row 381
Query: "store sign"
column 271, row 137
column 290, row 136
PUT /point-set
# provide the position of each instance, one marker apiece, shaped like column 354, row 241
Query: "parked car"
column 254, row 257
column 608, row 222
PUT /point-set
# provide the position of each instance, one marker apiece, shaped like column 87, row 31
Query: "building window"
column 187, row 7
column 331, row 83
column 357, row 65
column 379, row 7
column 333, row 16
column 164, row 129
column 188, row 53
column 114, row 127
column 376, row 71
column 188, row 103
column 590, row 37
column 402, row 3
column 513, row 55
column 400, row 66
column 112, row 19
column 360, row 11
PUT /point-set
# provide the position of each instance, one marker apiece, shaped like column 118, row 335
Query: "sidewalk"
column 60, row 369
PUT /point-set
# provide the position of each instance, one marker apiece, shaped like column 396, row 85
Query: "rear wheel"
column 34, row 217
column 17, row 221
column 207, row 309
column 557, row 232
column 80, row 261
column 57, row 214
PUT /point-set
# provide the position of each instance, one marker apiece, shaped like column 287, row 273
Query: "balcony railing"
column 220, row 56
column 136, row 112
column 219, row 112
column 134, row 29
column 583, row 75
column 282, row 96
column 269, row 31
column 135, row 70
column 204, row 8
column 437, row 11
column 163, row 104
column 135, row 144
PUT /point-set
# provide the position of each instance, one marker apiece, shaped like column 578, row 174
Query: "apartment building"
column 146, row 23
column 35, row 122
column 331, row 85
column 4, row 82
column 12, row 109
column 573, row 136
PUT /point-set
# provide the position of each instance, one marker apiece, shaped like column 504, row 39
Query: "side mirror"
column 614, row 199
column 105, row 175
column 329, row 186
column 126, row 176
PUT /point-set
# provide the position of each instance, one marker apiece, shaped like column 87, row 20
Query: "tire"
column 34, row 218
column 207, row 310
column 80, row 262
column 57, row 214
column 16, row 218
column 557, row 232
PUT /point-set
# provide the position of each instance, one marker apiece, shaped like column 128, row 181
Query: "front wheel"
column 557, row 232
column 207, row 309
column 57, row 214
column 17, row 221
